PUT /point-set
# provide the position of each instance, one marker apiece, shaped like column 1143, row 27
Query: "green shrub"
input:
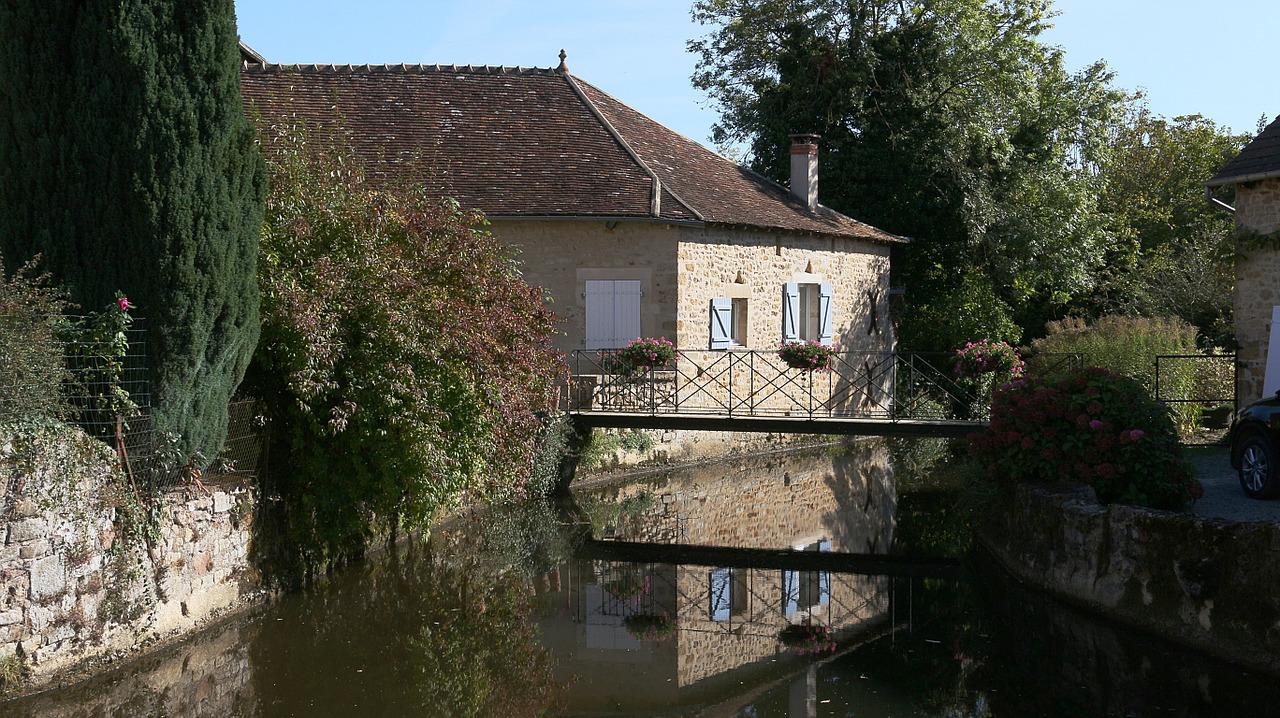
column 1127, row 346
column 967, row 311
column 1092, row 426
column 405, row 360
column 32, row 370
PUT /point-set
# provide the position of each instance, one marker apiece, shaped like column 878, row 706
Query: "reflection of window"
column 804, row 590
column 728, row 322
column 728, row 591
column 806, row 312
column 612, row 312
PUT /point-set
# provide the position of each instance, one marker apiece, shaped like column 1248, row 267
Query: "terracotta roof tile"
column 1260, row 159
column 519, row 142
column 720, row 191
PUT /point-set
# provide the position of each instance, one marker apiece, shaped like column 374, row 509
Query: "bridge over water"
column 883, row 394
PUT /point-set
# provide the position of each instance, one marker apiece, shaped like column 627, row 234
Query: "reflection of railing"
column 739, row 601
column 872, row 385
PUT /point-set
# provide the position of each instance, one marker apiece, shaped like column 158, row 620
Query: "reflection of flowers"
column 807, row 638
column 627, row 587
column 650, row 627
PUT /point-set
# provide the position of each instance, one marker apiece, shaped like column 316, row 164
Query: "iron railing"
column 872, row 385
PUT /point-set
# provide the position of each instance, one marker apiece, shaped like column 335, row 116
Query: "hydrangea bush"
column 982, row 367
column 988, row 357
column 1093, row 427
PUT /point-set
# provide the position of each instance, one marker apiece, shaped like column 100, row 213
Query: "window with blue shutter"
column 791, row 312
column 808, row 313
column 825, row 293
column 722, row 324
column 721, row 586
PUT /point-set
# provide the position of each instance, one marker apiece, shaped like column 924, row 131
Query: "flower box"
column 809, row 356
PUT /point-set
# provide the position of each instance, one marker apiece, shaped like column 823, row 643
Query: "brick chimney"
column 804, row 169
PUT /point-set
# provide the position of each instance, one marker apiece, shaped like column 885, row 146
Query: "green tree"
column 1172, row 253
column 126, row 162
column 403, row 356
column 944, row 120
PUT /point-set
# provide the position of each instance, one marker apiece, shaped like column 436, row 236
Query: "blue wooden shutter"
column 626, row 311
column 720, row 588
column 790, row 592
column 790, row 312
column 599, row 314
column 825, row 293
column 721, row 323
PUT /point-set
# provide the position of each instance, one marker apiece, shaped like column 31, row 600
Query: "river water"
column 667, row 594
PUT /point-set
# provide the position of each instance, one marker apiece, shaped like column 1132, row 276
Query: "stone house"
column 1255, row 175
column 631, row 229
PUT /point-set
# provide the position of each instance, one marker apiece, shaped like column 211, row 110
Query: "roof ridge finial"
column 563, row 67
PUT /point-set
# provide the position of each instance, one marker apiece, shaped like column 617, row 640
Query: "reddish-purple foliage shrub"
column 1093, row 427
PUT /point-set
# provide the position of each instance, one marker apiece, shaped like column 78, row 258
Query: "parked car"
column 1255, row 434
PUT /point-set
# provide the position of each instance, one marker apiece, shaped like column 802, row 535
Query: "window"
column 728, row 323
column 806, row 312
column 806, row 590
column 612, row 312
column 728, row 593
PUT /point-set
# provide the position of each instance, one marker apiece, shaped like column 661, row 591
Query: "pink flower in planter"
column 123, row 303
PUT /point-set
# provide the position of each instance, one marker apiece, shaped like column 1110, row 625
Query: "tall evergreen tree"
column 127, row 163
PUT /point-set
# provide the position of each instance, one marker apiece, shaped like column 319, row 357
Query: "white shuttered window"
column 613, row 312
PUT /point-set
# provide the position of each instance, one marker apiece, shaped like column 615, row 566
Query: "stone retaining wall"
column 1207, row 583
column 77, row 583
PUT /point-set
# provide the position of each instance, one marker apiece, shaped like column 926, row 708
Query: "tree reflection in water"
column 425, row 630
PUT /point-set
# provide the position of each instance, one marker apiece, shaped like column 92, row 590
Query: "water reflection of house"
column 727, row 619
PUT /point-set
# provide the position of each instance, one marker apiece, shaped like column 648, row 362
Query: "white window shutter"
column 626, row 311
column 599, row 314
column 790, row 312
column 721, row 323
column 825, row 294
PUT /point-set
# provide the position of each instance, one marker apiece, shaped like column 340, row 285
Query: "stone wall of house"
column 1257, row 281
column 682, row 268
column 754, row 265
column 1206, row 583
column 671, row 446
column 560, row 256
column 82, row 578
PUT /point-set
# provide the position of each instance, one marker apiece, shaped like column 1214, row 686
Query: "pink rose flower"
column 123, row 303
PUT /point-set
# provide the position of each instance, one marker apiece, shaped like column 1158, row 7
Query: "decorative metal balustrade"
column 749, row 383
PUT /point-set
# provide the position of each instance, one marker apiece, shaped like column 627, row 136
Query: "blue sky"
column 1209, row 58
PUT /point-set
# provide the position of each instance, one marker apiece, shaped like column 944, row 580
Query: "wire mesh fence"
column 49, row 367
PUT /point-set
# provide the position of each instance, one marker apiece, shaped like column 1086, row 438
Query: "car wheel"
column 1258, row 467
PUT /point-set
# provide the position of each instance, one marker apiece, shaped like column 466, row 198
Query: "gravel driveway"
column 1223, row 498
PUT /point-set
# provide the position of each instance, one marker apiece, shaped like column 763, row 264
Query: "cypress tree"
column 127, row 163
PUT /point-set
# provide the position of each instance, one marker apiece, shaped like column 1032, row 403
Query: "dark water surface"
column 531, row 610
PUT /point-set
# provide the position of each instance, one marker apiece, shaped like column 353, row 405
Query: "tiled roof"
column 1260, row 159
column 522, row 142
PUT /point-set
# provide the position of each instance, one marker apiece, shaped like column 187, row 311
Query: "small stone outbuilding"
column 1255, row 174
